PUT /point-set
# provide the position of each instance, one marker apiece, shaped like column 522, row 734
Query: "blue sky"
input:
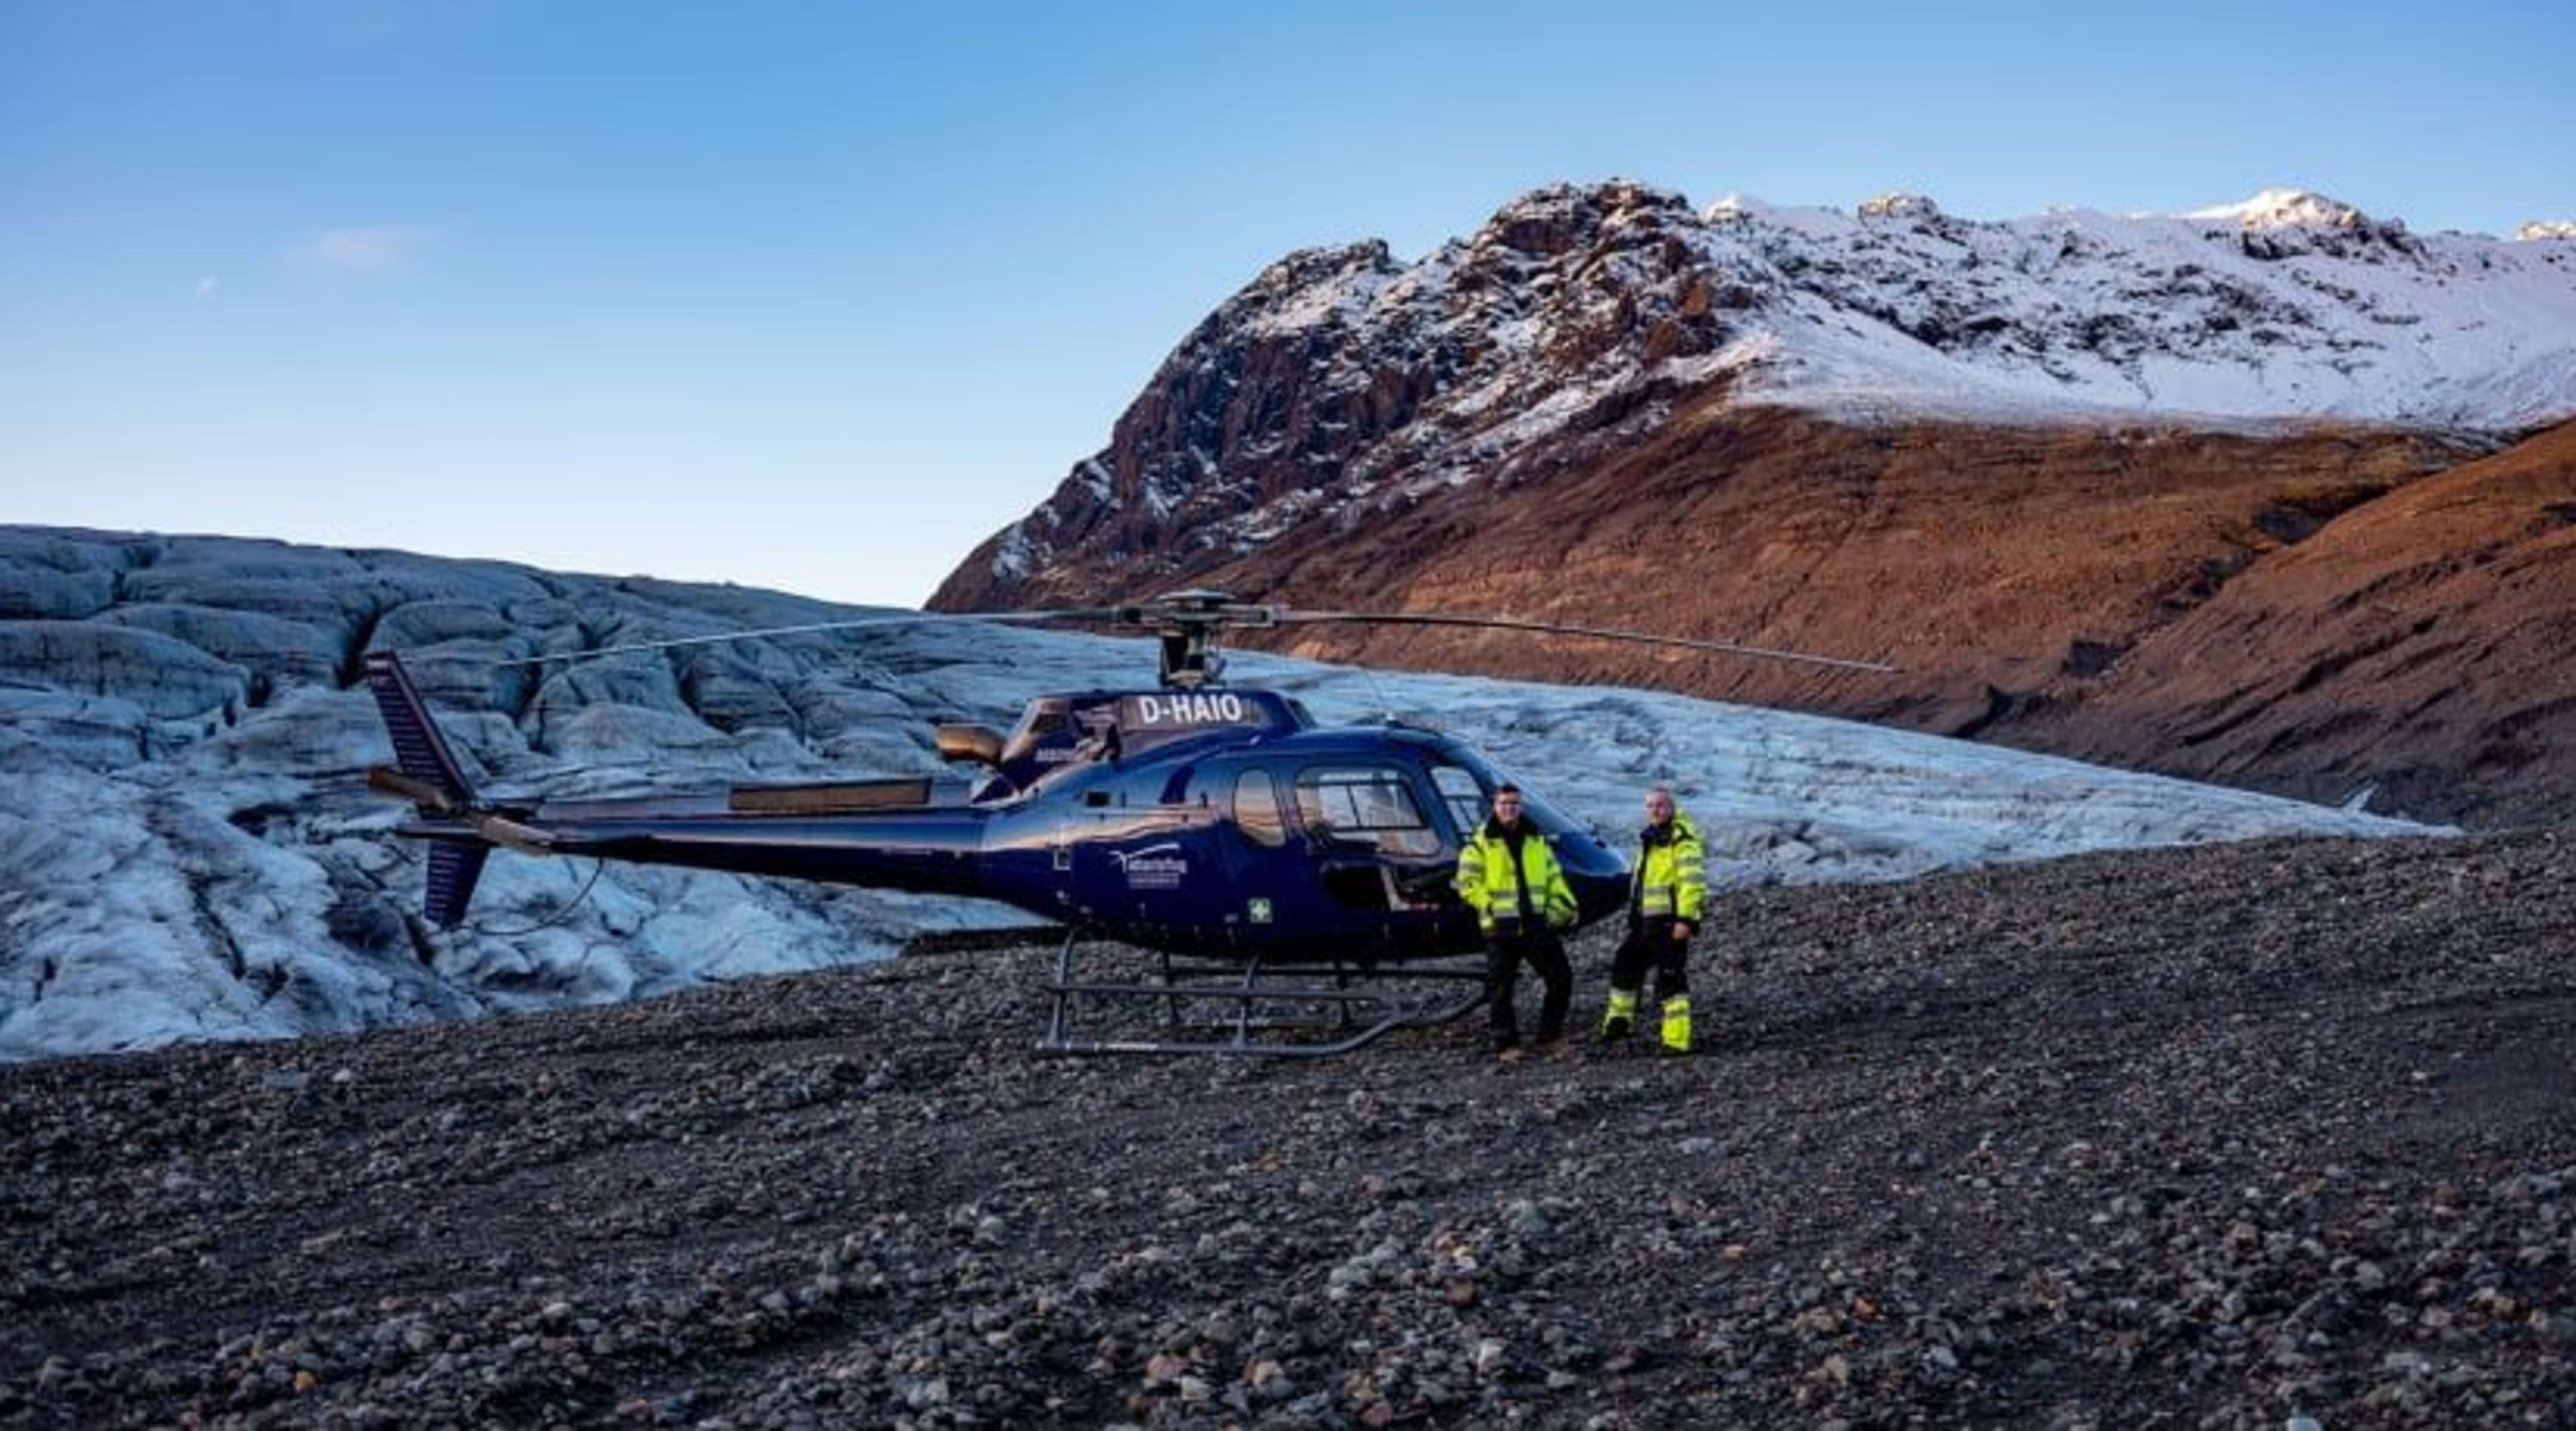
column 816, row 296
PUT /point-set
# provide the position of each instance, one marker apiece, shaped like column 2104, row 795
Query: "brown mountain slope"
column 2421, row 641
column 1989, row 563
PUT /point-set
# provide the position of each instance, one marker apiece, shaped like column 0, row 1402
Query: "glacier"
column 189, row 851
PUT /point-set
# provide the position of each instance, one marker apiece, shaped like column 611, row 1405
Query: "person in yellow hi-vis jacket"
column 1666, row 896
column 1509, row 876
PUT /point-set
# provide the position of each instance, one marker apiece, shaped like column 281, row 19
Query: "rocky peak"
column 1564, row 218
column 2546, row 229
column 1339, row 374
column 2281, row 223
column 2283, row 208
column 1310, row 270
column 1899, row 206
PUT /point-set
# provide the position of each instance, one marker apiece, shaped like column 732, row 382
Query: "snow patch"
column 2279, row 208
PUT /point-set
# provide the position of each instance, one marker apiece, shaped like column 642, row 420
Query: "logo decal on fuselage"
column 1160, row 866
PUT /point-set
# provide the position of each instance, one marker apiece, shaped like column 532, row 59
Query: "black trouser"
column 1546, row 954
column 1651, row 942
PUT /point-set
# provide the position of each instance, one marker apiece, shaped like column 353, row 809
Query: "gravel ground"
column 2223, row 1137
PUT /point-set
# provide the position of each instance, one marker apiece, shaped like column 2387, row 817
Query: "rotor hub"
column 1186, row 622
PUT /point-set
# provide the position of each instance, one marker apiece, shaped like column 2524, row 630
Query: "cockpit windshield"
column 1465, row 798
column 1467, row 792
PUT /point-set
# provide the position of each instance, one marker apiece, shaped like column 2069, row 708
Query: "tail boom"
column 886, row 834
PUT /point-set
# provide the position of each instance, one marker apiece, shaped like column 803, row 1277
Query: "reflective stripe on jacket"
column 1490, row 884
column 1672, row 872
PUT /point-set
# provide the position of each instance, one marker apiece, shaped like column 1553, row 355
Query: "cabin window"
column 1364, row 806
column 1464, row 797
column 1256, row 810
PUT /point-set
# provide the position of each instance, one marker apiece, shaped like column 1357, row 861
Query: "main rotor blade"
column 1286, row 616
column 1088, row 613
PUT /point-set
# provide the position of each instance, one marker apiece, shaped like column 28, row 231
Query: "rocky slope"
column 2419, row 641
column 2004, row 455
column 2210, row 1137
column 2316, row 616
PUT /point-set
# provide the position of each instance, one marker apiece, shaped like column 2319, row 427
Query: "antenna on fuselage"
column 1386, row 708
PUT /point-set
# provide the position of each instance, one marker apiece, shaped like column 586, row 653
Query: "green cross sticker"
column 1258, row 911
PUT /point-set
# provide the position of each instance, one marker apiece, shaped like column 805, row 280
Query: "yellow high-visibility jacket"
column 1671, row 881
column 1491, row 884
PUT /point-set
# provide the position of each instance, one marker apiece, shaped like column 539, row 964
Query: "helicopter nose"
column 1597, row 895
column 1598, row 877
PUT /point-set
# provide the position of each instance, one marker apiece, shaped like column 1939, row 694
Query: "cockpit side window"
column 1366, row 805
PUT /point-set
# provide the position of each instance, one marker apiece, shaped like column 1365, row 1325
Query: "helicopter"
column 1221, row 828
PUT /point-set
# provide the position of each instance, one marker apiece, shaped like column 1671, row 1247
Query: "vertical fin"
column 438, row 785
column 418, row 749
column 453, row 869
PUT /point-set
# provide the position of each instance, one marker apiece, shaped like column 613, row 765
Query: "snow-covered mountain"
column 1343, row 382
column 188, row 849
column 2289, row 305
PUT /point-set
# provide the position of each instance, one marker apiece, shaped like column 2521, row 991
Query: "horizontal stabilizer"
column 910, row 792
column 385, row 780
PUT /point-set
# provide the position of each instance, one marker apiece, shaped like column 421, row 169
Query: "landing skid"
column 1304, row 1010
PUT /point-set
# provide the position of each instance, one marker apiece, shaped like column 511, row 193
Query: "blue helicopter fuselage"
column 1199, row 821
column 1316, row 842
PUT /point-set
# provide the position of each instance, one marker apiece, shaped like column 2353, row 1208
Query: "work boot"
column 1677, row 1025
column 1620, row 1017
